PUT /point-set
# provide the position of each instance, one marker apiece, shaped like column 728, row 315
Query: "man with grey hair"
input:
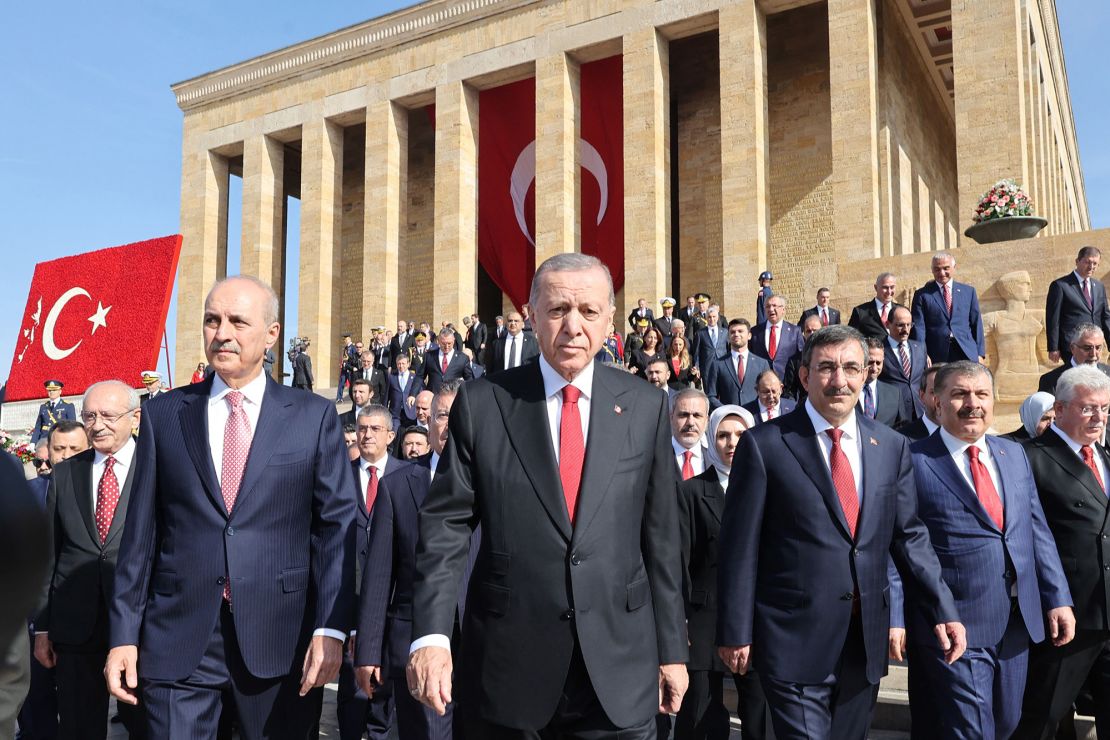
column 871, row 318
column 1076, row 297
column 710, row 342
column 975, row 493
column 946, row 315
column 446, row 362
column 87, row 505
column 1087, row 344
column 576, row 624
column 1070, row 469
column 776, row 340
column 689, row 417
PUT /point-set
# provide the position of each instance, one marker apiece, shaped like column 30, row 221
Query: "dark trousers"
column 978, row 696
column 266, row 707
column 838, row 708
column 83, row 696
column 1056, row 676
column 955, row 352
column 578, row 716
column 38, row 720
column 358, row 716
column 704, row 716
column 416, row 721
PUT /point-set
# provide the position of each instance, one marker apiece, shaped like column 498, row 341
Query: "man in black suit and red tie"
column 823, row 311
column 445, row 363
column 776, row 340
column 575, row 624
column 904, row 362
column 870, row 319
column 1075, row 298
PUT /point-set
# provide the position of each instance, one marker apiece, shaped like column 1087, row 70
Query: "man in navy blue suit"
column 445, row 363
column 236, row 570
column 902, row 354
column 977, row 496
column 711, row 341
column 1075, row 298
column 817, row 502
column 946, row 316
column 404, row 386
column 777, row 340
column 769, row 402
column 731, row 379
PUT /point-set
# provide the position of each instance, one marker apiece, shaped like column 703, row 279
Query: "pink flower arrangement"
column 18, row 446
column 1003, row 200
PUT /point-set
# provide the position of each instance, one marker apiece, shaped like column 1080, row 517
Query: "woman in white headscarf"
column 702, row 503
column 1036, row 415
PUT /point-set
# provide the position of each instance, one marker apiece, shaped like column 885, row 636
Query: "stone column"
column 558, row 175
column 263, row 232
column 321, row 217
column 853, row 73
column 745, row 213
column 204, row 189
column 455, row 260
column 647, row 212
column 987, row 70
column 386, row 172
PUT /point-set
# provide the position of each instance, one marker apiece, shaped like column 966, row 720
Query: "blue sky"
column 90, row 137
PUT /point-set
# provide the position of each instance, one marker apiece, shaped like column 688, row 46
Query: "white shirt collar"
column 941, row 287
column 850, row 428
column 697, row 449
column 930, row 425
column 722, row 479
column 1079, row 277
column 252, row 391
column 123, row 456
column 1075, row 446
column 957, row 446
column 879, row 306
column 379, row 464
column 553, row 383
column 738, row 353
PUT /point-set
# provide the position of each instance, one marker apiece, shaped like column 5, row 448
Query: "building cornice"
column 360, row 40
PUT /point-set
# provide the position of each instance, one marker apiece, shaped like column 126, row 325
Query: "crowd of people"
column 549, row 527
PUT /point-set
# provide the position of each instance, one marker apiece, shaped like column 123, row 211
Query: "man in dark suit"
column 665, row 322
column 777, row 340
column 1075, row 298
column 475, row 369
column 237, row 563
column 803, row 585
column 710, row 341
column 516, row 347
column 764, row 293
column 791, row 384
column 87, row 507
column 445, row 363
column 642, row 311
column 975, row 493
column 357, row 712
column 825, row 313
column 730, row 380
column 946, row 316
column 870, row 319
column 1086, row 343
column 476, row 338
column 404, row 386
column 52, row 410
column 302, row 368
column 375, row 376
column 904, row 361
column 687, row 312
column 362, row 395
column 575, row 622
column 769, row 402
column 879, row 400
column 402, row 342
column 1070, row 469
column 418, row 354
column 385, row 601
column 926, row 424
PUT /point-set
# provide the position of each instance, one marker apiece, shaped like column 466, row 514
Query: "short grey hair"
column 778, row 297
column 884, row 275
column 714, row 308
column 43, row 442
column 1082, row 376
column 132, row 394
column 375, row 409
column 448, row 388
column 571, row 262
column 1082, row 330
column 829, row 336
column 961, row 369
column 689, row 393
column 270, row 311
column 942, row 256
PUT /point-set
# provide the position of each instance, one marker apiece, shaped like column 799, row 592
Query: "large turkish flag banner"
column 94, row 316
column 602, row 159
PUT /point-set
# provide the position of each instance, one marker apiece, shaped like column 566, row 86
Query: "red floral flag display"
column 507, row 176
column 94, row 316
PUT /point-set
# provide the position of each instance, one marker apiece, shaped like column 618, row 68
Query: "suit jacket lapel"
column 801, row 439
column 1058, row 450
column 121, row 506
column 714, row 499
column 944, row 467
column 874, row 455
column 608, row 432
column 1007, row 475
column 276, row 413
column 524, row 410
column 194, row 426
column 81, row 474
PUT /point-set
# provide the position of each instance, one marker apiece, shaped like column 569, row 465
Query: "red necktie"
column 843, row 481
column 572, row 448
column 237, row 445
column 107, row 496
column 824, row 317
column 984, row 488
column 1089, row 459
column 882, row 317
column 444, row 363
column 740, row 369
column 1087, row 292
column 948, row 298
column 773, row 342
column 770, row 412
column 687, row 465
column 371, row 488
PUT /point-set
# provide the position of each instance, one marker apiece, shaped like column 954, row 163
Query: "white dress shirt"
column 723, row 480
column 1077, row 449
column 879, row 307
column 874, row 386
column 737, row 358
column 894, row 345
column 763, row 411
column 553, row 385
column 364, row 474
column 218, row 413
column 930, row 425
column 850, row 443
column 767, row 336
column 121, row 467
column 957, row 448
column 510, row 340
column 697, row 458
column 432, row 463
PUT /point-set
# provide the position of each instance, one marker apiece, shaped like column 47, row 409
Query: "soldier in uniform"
column 53, row 410
column 765, row 292
column 664, row 322
column 636, row 338
column 417, row 352
column 153, row 382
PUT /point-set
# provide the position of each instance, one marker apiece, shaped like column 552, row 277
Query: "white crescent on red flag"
column 94, row 316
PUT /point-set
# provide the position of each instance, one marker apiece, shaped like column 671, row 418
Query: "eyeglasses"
column 363, row 429
column 1089, row 347
column 1090, row 410
column 850, row 369
column 39, row 463
column 89, row 417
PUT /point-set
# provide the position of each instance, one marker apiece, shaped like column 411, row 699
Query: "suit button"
column 1079, row 504
column 855, row 553
column 567, row 615
column 847, row 596
column 230, row 531
column 575, row 560
column 220, row 581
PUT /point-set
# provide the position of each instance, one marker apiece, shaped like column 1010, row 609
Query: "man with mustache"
column 817, row 501
column 975, row 493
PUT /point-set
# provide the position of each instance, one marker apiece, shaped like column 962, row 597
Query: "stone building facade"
column 815, row 139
